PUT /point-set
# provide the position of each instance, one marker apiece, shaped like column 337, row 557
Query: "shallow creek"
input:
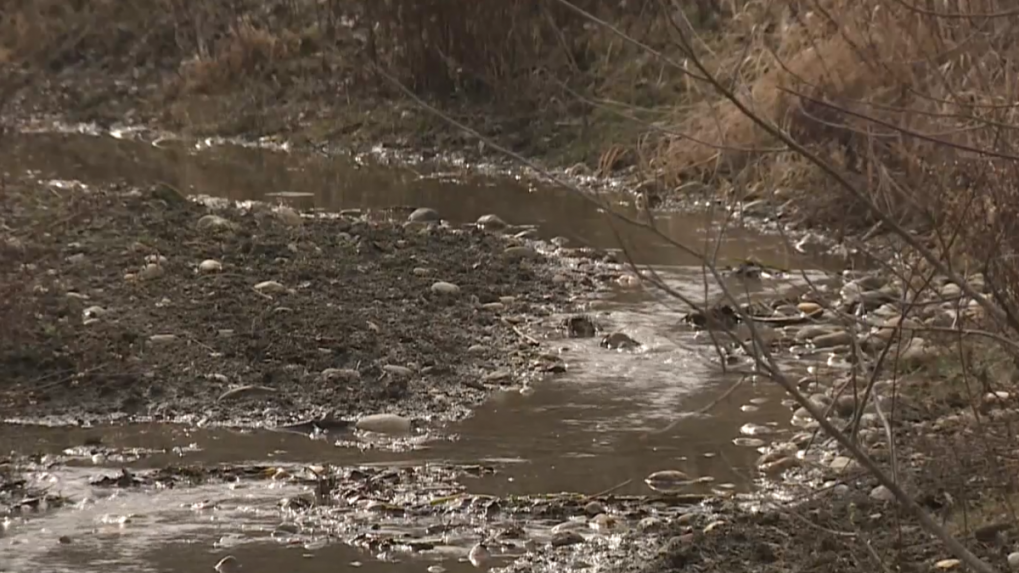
column 586, row 431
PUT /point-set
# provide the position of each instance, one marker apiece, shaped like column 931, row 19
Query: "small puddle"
column 586, row 431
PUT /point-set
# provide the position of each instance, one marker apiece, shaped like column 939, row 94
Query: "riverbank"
column 138, row 302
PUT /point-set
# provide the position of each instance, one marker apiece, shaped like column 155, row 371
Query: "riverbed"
column 595, row 429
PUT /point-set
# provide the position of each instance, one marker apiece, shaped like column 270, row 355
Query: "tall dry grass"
column 914, row 102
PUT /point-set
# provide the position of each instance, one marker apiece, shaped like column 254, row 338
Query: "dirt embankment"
column 143, row 303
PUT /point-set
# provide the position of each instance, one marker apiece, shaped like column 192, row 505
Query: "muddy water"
column 585, row 431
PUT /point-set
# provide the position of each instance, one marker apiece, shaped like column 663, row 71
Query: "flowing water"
column 585, row 431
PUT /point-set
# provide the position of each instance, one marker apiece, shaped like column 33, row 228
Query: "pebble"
column 270, row 287
column 421, row 271
column 491, row 222
column 245, row 391
column 520, row 253
column 445, row 288
column 93, row 312
column 289, row 216
column 477, row 349
column 667, row 479
column 951, row 290
column 603, row 522
column 424, row 215
column 594, row 508
column 882, row 493
column 211, row 222
column 565, row 538
column 749, row 442
column 838, row 338
column 346, row 374
column 493, row 306
column 946, row 564
column 151, row 271
column 1013, row 560
column 811, row 332
column 842, row 463
column 228, row 564
column 398, row 370
column 778, row 466
column 619, row 341
column 210, row 266
column 751, row 429
column 162, row 338
column 808, row 307
column 384, row 424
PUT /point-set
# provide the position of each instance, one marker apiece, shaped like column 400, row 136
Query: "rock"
column 527, row 234
column 499, row 376
column 210, row 266
column 424, row 215
column 808, row 307
column 594, row 508
column 619, row 341
column 444, row 288
column 344, row 374
column 751, row 429
column 833, row 339
column 396, row 370
column 491, row 223
column 915, row 353
column 1013, row 561
column 228, row 564
column 270, row 287
column 565, row 538
column 580, row 326
column 776, row 467
column 520, row 253
column 493, row 306
column 214, row 222
column 477, row 349
column 603, row 522
column 242, row 391
column 845, row 405
column 666, row 480
column 748, row 442
column 384, row 424
column 946, row 564
column 479, row 555
column 842, row 463
column 162, row 338
column 289, row 216
column 420, row 271
column 93, row 312
column 151, row 271
column 882, row 493
column 950, row 290
column 812, row 332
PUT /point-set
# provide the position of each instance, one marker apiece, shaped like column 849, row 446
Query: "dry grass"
column 880, row 88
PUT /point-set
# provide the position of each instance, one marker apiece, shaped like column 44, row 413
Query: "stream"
column 585, row 431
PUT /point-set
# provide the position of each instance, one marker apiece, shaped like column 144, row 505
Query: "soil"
column 95, row 275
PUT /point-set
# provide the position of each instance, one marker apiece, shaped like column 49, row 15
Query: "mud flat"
column 139, row 303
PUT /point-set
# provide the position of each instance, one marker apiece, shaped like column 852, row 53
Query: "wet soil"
column 115, row 316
